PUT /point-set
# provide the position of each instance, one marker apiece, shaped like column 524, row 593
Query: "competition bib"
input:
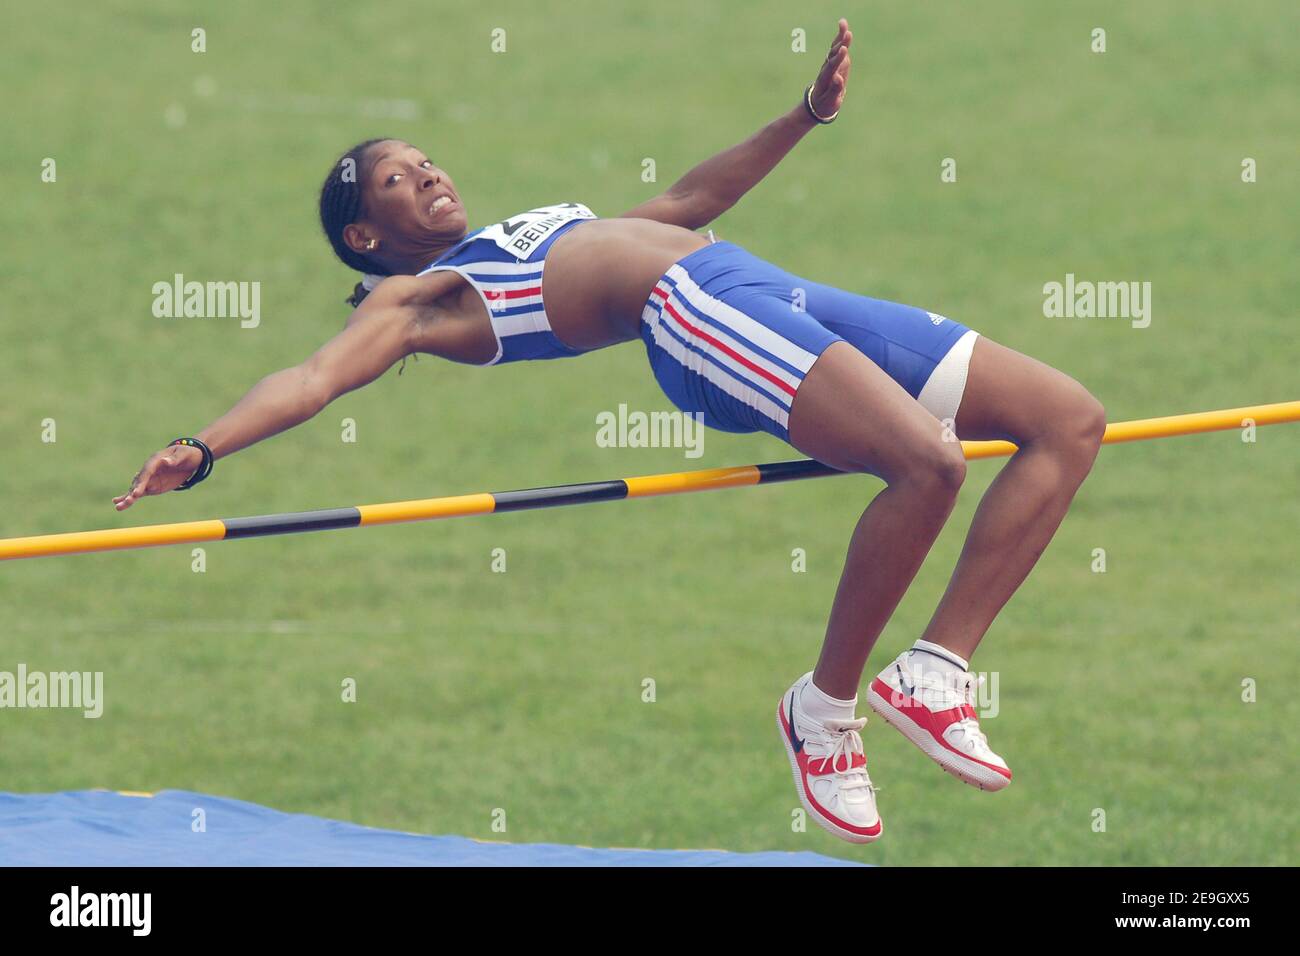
column 520, row 235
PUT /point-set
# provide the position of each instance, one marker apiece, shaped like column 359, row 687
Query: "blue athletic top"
column 504, row 264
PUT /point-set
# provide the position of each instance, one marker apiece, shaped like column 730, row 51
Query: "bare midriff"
column 600, row 273
column 598, row 277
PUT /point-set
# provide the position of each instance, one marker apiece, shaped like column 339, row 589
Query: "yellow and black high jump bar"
column 219, row 529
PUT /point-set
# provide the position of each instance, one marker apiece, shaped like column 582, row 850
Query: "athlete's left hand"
column 828, row 91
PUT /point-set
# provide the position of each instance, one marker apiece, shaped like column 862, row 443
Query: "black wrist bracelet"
column 807, row 104
column 205, row 466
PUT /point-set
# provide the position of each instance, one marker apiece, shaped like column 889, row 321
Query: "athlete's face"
column 410, row 203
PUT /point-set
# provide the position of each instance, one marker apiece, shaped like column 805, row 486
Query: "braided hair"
column 341, row 205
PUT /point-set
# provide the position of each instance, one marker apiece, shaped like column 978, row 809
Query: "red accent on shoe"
column 931, row 722
column 804, row 769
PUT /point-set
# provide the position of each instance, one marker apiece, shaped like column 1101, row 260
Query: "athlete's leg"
column 851, row 415
column 1057, row 426
column 928, row 691
column 727, row 335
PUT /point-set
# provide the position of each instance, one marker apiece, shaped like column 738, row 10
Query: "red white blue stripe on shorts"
column 728, row 349
column 731, row 336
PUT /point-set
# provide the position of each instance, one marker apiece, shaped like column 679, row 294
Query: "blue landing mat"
column 104, row 828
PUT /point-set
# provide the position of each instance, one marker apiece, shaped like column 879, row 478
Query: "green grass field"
column 522, row 691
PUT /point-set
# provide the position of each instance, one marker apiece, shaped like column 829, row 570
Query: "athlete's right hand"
column 165, row 471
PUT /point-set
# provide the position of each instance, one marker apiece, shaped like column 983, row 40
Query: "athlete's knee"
column 1075, row 430
column 938, row 468
column 1084, row 426
column 1068, row 420
column 1092, row 420
column 949, row 467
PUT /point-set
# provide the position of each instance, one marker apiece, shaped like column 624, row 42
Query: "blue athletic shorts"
column 732, row 336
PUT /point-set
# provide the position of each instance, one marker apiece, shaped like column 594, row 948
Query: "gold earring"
column 370, row 246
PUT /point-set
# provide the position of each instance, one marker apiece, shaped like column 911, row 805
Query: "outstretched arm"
column 716, row 184
column 378, row 335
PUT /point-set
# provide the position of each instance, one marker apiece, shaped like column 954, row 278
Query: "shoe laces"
column 842, row 740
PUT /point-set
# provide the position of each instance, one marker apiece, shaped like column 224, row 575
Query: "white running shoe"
column 935, row 709
column 830, row 769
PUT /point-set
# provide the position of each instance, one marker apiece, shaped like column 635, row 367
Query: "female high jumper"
column 860, row 384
